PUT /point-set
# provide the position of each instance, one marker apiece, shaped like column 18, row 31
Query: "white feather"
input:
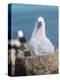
column 39, row 42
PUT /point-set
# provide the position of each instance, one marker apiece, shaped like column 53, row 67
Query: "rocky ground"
column 21, row 65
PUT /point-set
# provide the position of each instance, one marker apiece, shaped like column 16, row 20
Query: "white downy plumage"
column 39, row 42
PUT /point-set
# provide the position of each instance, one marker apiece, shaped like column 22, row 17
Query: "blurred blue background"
column 23, row 17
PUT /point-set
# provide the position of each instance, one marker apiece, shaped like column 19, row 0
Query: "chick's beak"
column 39, row 24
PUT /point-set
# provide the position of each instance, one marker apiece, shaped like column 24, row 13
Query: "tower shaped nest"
column 37, row 65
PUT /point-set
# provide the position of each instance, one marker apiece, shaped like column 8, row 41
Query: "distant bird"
column 21, row 37
column 14, row 44
column 39, row 42
column 24, row 45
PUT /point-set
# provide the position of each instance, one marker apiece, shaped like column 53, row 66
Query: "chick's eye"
column 43, row 21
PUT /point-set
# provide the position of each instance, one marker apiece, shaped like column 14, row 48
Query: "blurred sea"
column 23, row 17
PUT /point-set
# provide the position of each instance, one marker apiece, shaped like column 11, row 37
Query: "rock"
column 20, row 68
